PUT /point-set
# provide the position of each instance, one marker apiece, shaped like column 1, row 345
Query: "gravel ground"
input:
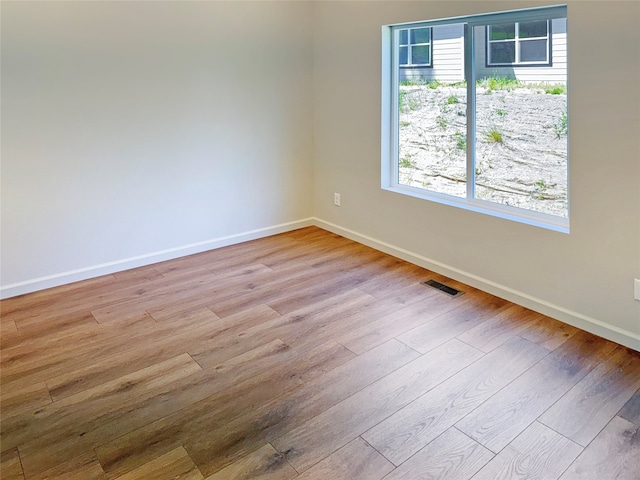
column 521, row 146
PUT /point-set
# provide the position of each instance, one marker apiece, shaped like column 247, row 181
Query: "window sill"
column 528, row 217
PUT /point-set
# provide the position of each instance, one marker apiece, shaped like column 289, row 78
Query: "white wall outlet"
column 336, row 199
column 636, row 289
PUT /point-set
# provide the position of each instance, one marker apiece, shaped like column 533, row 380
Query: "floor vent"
column 443, row 288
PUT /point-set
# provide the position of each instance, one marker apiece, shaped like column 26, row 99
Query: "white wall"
column 132, row 128
column 586, row 277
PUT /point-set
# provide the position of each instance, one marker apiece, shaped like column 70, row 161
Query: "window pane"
column 403, row 37
column 521, row 134
column 432, row 119
column 533, row 29
column 420, row 35
column 502, row 32
column 533, row 51
column 421, row 55
column 402, row 55
column 503, row 52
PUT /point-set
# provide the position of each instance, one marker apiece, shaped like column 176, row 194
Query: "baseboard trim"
column 584, row 322
column 86, row 273
column 593, row 325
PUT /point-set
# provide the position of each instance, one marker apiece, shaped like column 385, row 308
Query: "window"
column 468, row 135
column 519, row 43
column 414, row 47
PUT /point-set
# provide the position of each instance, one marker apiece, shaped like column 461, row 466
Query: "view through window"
column 485, row 125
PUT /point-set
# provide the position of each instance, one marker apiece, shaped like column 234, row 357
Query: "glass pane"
column 403, row 37
column 420, row 35
column 503, row 52
column 432, row 119
column 421, row 55
column 403, row 55
column 533, row 29
column 533, row 51
column 521, row 135
column 502, row 32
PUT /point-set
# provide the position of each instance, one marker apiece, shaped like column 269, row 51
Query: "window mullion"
column 517, row 42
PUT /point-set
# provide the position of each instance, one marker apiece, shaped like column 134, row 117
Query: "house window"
column 473, row 137
column 414, row 47
column 518, row 43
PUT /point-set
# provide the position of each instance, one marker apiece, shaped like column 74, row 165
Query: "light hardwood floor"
column 306, row 355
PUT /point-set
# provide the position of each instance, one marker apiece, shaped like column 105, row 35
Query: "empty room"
column 320, row 240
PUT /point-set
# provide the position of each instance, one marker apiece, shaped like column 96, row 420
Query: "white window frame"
column 390, row 119
column 410, row 46
column 517, row 41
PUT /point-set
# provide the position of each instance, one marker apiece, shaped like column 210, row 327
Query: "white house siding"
column 556, row 73
column 448, row 57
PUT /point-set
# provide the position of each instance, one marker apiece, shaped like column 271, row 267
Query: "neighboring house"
column 528, row 51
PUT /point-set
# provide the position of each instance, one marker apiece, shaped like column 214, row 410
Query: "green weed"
column 413, row 82
column 494, row 136
column 497, row 82
column 560, row 128
column 406, row 102
column 555, row 89
column 540, row 188
column 406, row 162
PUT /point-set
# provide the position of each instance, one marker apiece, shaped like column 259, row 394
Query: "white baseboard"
column 584, row 322
column 64, row 278
column 595, row 326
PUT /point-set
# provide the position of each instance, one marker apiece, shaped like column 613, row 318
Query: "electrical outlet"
column 336, row 199
column 636, row 289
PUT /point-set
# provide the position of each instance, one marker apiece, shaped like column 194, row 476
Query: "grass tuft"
column 555, row 89
column 497, row 82
column 406, row 162
column 561, row 128
column 407, row 102
column 494, row 136
column 461, row 140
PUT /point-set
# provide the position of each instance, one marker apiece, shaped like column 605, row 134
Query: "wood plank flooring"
column 305, row 356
